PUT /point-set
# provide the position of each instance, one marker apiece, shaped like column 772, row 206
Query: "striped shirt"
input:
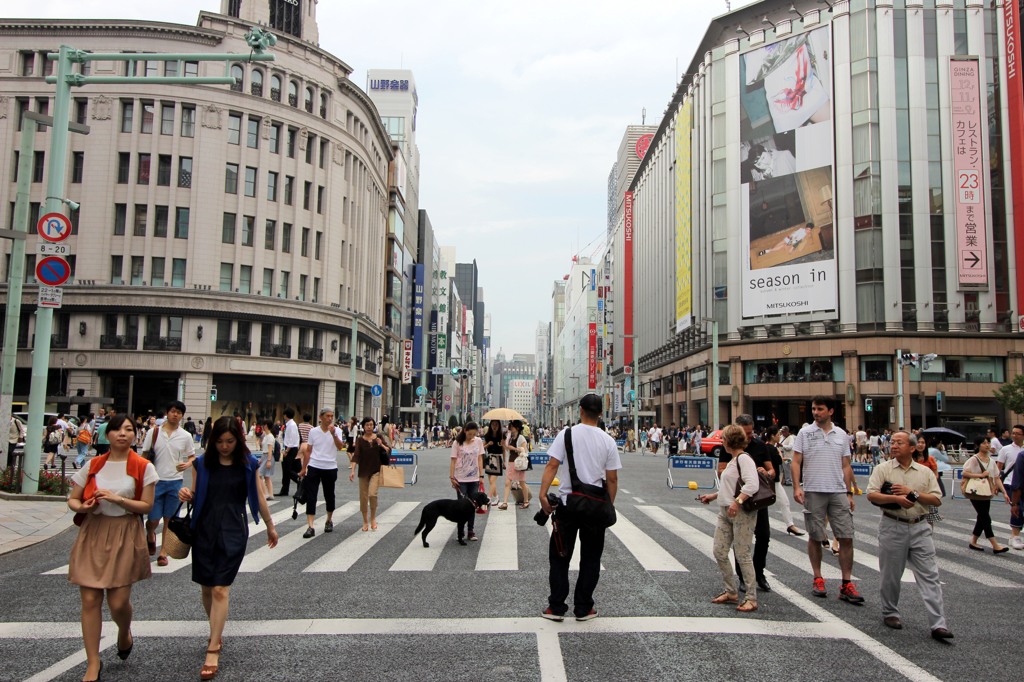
column 823, row 453
column 304, row 430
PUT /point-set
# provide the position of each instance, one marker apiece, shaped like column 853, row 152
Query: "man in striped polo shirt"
column 823, row 483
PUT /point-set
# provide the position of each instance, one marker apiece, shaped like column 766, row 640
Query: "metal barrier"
column 956, row 475
column 415, row 443
column 405, row 458
column 680, row 462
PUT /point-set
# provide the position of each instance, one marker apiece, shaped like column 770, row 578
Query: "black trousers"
column 984, row 523
column 316, row 478
column 762, row 538
column 591, row 549
column 290, row 467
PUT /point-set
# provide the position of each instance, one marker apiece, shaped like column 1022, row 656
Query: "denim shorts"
column 165, row 500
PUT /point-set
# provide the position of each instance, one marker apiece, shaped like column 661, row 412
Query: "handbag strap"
column 574, row 479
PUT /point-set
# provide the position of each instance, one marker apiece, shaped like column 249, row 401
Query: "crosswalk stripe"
column 651, row 555
column 499, row 549
column 265, row 556
column 784, row 552
column 699, row 540
column 416, row 557
column 996, row 526
column 352, row 548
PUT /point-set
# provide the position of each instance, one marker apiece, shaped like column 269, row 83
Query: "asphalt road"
column 353, row 605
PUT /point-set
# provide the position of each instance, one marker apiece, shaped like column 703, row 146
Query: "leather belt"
column 901, row 519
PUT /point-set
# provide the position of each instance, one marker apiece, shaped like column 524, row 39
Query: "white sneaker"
column 1017, row 542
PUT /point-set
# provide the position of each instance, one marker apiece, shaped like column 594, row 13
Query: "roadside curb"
column 21, row 497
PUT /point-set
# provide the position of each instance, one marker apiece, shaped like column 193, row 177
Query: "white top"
column 974, row 465
column 593, row 451
column 114, row 477
column 823, row 453
column 731, row 476
column 291, row 434
column 862, row 437
column 323, row 450
column 1007, row 457
column 873, row 441
column 267, row 444
column 171, row 449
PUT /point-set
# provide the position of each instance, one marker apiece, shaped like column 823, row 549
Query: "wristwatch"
column 913, row 496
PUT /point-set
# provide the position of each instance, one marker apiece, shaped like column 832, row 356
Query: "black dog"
column 458, row 511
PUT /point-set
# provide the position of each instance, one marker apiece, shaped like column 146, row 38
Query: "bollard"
column 63, row 475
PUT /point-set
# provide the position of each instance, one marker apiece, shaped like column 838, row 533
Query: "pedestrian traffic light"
column 939, row 399
column 213, row 394
column 868, row 405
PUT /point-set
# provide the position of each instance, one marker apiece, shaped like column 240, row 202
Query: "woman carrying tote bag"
column 516, row 445
column 369, row 455
column 980, row 470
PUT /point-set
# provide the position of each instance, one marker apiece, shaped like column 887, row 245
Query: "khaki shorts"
column 833, row 506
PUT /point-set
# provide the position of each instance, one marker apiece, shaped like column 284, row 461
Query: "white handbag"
column 522, row 462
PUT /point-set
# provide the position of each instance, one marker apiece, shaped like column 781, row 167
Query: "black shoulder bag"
column 589, row 506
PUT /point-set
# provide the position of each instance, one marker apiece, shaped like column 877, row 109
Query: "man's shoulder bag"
column 765, row 495
column 589, row 506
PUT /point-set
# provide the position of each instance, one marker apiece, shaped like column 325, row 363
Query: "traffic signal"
column 213, row 394
column 455, row 371
column 939, row 399
column 868, row 405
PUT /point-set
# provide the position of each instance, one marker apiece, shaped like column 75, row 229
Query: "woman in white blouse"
column 735, row 528
column 982, row 465
column 110, row 495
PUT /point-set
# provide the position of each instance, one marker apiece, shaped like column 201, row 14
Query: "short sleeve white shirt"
column 114, row 477
column 594, row 453
column 323, row 450
column 1008, row 457
column 823, row 453
column 170, row 451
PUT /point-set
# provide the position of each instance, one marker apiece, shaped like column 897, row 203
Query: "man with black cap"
column 596, row 460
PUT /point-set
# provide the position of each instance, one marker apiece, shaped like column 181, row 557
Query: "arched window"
column 323, row 105
column 293, row 93
column 239, row 75
column 256, row 84
column 309, row 99
column 275, row 88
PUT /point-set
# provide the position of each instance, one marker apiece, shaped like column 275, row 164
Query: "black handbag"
column 179, row 533
column 589, row 506
column 765, row 495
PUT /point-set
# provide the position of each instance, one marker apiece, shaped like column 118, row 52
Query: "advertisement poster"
column 788, row 234
column 592, row 356
column 684, row 300
column 417, row 316
column 969, row 174
column 407, row 361
column 627, row 274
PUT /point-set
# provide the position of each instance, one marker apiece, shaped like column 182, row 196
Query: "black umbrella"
column 945, row 435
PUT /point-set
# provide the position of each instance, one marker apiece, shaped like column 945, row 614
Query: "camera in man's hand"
column 886, row 489
column 541, row 517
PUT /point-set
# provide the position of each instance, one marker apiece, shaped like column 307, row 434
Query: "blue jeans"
column 467, row 488
column 83, row 450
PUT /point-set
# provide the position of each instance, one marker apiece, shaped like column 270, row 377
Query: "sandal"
column 161, row 561
column 726, row 598
column 208, row 672
column 747, row 606
column 503, row 505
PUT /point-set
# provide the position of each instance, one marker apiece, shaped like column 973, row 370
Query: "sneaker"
column 1017, row 542
column 591, row 615
column 472, row 537
column 329, row 527
column 818, row 590
column 551, row 615
column 849, row 593
column 309, row 533
column 493, row 502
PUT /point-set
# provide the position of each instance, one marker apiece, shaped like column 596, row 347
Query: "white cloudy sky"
column 522, row 107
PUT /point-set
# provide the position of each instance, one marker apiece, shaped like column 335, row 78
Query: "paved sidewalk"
column 26, row 522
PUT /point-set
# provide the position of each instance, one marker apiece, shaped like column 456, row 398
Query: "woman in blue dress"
column 225, row 479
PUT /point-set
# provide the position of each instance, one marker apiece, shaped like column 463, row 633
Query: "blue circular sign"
column 53, row 271
column 376, row 390
column 421, row 391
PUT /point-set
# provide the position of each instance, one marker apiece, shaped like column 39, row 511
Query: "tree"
column 1011, row 394
column 452, row 422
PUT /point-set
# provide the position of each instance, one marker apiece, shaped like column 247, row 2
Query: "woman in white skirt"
column 266, row 464
column 112, row 493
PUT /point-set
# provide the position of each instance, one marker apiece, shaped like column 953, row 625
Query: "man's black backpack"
column 589, row 506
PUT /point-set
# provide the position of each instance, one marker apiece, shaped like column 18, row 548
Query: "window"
column 148, row 114
column 245, row 279
column 185, row 171
column 234, row 128
column 30, row 269
column 22, row 105
column 231, row 178
column 275, row 88
column 227, row 235
column 283, row 284
column 319, row 243
column 226, row 274
column 174, row 325
column 275, row 138
column 256, row 83
column 152, row 69
column 307, row 190
column 239, row 75
column 316, row 290
column 304, row 243
column 188, row 121
column 38, row 165
column 293, row 136
column 81, row 110
column 171, row 70
column 127, row 116
column 272, row 186
column 77, row 167
column 124, row 161
column 234, row 8
column 323, row 105
column 309, row 99
column 293, row 93
column 28, row 63
column 160, row 221
column 178, row 272
column 286, row 237
column 310, row 145
column 250, row 181
column 167, row 119
column 268, row 282
column 252, row 136
column 270, row 238
column 181, row 223
column 142, row 177
column 163, row 170
column 319, row 199
column 139, row 229
column 120, row 218
column 324, row 145
column 138, row 264
column 156, row 271
column 289, row 185
column 191, row 69
column 302, row 288
column 152, row 327
column 248, row 230
column 116, row 269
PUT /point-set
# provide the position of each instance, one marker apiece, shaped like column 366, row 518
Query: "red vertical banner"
column 592, row 357
column 627, row 266
column 1015, row 130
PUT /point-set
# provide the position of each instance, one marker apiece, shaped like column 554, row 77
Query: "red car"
column 711, row 444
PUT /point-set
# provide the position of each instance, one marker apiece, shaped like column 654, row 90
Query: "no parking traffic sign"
column 52, row 271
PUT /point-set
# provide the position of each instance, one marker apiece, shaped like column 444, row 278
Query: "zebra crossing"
column 657, row 538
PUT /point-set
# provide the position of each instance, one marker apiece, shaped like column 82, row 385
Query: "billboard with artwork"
column 786, row 158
